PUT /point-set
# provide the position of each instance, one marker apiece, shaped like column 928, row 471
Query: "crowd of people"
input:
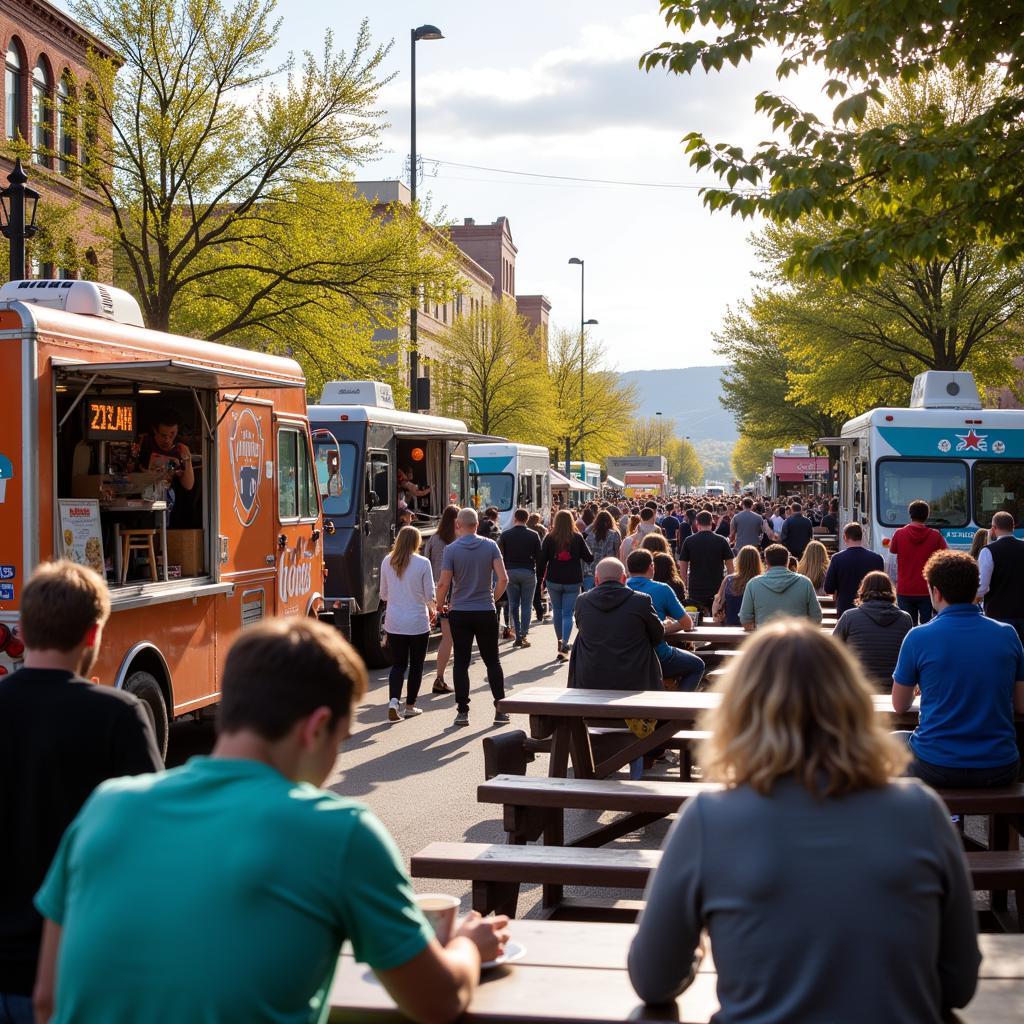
column 89, row 836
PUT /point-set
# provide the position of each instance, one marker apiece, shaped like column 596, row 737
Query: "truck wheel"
column 372, row 639
column 147, row 689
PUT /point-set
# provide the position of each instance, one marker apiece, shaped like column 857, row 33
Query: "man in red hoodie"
column 913, row 545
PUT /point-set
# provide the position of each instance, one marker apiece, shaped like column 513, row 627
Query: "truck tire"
column 372, row 638
column 147, row 689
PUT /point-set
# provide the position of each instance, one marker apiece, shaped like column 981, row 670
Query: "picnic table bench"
column 575, row 972
column 496, row 871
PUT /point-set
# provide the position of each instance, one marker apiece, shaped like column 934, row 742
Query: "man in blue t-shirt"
column 971, row 673
column 669, row 524
column 225, row 888
column 847, row 569
column 686, row 668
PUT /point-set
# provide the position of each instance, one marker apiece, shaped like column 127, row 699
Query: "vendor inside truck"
column 161, row 452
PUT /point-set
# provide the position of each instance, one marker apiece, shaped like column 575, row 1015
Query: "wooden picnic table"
column 730, row 635
column 575, row 972
column 563, row 714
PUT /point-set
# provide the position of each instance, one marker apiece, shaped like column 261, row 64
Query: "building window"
column 12, row 85
column 65, row 125
column 458, row 304
column 42, row 140
column 90, row 134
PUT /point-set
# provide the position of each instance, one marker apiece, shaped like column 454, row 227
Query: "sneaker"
column 394, row 711
column 440, row 686
column 501, row 718
column 525, row 643
column 462, row 718
column 411, row 711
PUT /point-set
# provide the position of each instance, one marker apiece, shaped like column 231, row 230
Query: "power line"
column 571, row 178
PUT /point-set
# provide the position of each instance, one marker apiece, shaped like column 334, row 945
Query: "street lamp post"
column 423, row 32
column 16, row 200
column 584, row 324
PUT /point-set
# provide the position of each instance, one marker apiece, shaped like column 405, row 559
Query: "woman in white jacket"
column 407, row 585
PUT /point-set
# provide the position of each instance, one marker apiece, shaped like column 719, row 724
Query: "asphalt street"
column 420, row 775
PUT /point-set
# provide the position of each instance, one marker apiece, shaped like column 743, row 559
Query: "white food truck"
column 509, row 476
column 965, row 461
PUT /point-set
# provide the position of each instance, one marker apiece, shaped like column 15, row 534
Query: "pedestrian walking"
column 665, row 571
column 434, row 550
column 814, row 565
column 1001, row 569
column 230, row 884
column 978, row 541
column 60, row 737
column 704, row 559
column 807, row 777
column 561, row 564
column 520, row 548
column 407, row 585
column 912, row 545
column 875, row 628
column 797, row 531
column 747, row 527
column 848, row 567
column 472, row 578
column 536, row 524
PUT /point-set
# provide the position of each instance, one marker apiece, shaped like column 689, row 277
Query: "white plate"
column 513, row 952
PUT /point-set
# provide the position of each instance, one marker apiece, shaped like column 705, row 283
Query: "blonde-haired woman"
column 810, row 849
column 814, row 564
column 407, row 585
column 726, row 608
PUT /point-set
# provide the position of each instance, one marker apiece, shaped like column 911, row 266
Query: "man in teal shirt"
column 686, row 668
column 222, row 891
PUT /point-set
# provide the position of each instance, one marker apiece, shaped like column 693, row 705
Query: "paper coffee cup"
column 441, row 911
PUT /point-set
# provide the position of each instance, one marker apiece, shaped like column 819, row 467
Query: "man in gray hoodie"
column 778, row 592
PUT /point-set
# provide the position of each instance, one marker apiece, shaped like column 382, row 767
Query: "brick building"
column 491, row 246
column 45, row 72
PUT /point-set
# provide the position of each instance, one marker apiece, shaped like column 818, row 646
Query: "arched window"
column 42, row 141
column 65, row 124
column 13, row 127
column 91, row 269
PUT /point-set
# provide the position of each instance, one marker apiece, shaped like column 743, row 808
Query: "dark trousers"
column 408, row 651
column 482, row 627
column 538, row 600
column 948, row 777
column 918, row 608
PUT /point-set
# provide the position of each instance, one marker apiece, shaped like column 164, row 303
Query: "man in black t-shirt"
column 60, row 737
column 706, row 556
column 797, row 531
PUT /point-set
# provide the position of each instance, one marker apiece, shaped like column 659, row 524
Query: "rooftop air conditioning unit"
column 88, row 298
column 945, row 389
column 358, row 392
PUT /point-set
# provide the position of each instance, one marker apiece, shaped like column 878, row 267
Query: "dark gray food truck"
column 372, row 460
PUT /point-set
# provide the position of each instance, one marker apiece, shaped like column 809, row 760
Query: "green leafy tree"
column 749, row 457
column 684, row 465
column 648, row 435
column 598, row 424
column 949, row 183
column 489, row 373
column 226, row 176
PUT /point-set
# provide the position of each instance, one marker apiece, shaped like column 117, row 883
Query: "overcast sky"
column 553, row 87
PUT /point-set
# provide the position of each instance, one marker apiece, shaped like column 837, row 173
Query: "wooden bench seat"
column 497, row 871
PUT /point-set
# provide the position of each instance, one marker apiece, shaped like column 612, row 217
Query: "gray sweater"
column 852, row 909
column 875, row 632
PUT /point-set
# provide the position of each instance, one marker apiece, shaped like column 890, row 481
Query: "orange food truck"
column 180, row 470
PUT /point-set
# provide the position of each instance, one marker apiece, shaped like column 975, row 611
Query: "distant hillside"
column 690, row 396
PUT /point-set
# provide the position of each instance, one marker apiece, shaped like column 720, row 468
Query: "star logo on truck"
column 972, row 442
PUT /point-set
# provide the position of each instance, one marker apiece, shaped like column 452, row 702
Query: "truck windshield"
column 998, row 487
column 336, row 479
column 497, row 489
column 942, row 483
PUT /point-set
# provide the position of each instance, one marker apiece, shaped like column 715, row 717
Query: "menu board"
column 81, row 539
column 110, row 419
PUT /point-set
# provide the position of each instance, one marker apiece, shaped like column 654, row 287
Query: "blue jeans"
column 918, row 608
column 588, row 582
column 949, row 777
column 563, row 601
column 521, row 585
column 686, row 668
column 16, row 1009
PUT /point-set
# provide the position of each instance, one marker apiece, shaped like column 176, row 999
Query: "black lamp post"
column 423, row 32
column 18, row 217
column 584, row 324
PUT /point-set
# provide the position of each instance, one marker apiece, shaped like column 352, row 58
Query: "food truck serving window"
column 998, row 487
column 296, row 494
column 940, row 482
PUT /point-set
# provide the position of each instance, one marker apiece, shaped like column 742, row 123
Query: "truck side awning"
column 411, row 432
column 613, row 481
column 176, row 373
column 837, row 442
